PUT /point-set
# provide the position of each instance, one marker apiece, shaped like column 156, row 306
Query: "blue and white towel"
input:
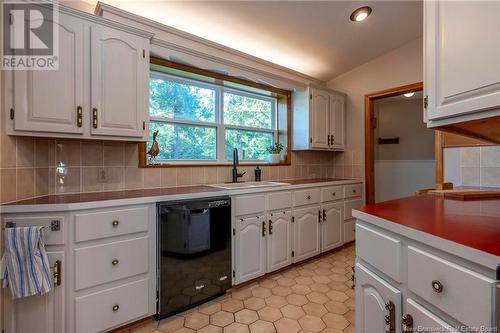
column 27, row 268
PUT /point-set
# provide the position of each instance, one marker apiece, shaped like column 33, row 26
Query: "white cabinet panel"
column 462, row 57
column 349, row 205
column 372, row 295
column 37, row 314
column 349, row 231
column 249, row 204
column 49, row 100
column 250, row 248
column 306, row 197
column 279, row 200
column 331, row 226
column 425, row 320
column 320, row 119
column 279, row 246
column 118, row 103
column 306, row 232
column 337, row 121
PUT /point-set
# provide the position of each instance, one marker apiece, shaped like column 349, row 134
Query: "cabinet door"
column 306, row 233
column 119, row 82
column 372, row 296
column 49, row 100
column 337, row 121
column 37, row 314
column 425, row 320
column 279, row 241
column 462, row 57
column 250, row 248
column 331, row 226
column 320, row 110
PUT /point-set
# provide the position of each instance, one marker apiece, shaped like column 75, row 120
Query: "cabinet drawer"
column 449, row 287
column 249, row 204
column 426, row 320
column 51, row 237
column 100, row 264
column 112, row 307
column 306, row 197
column 349, row 205
column 332, row 193
column 353, row 190
column 96, row 225
column 349, row 231
column 279, row 200
column 379, row 250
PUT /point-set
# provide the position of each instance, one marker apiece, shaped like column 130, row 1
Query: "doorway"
column 399, row 149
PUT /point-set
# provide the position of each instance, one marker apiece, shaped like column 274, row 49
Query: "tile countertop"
column 64, row 202
column 474, row 224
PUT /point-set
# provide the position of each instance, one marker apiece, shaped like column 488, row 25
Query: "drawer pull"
column 200, row 287
column 334, row 193
column 115, row 223
column 407, row 321
column 116, row 307
column 308, row 197
column 115, row 262
column 437, row 286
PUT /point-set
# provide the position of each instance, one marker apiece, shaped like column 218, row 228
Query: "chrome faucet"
column 236, row 175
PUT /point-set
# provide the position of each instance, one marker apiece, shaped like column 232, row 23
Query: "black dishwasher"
column 194, row 253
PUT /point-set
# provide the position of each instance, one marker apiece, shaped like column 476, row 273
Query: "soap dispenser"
column 258, row 174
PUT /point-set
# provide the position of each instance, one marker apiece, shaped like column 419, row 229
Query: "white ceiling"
column 313, row 37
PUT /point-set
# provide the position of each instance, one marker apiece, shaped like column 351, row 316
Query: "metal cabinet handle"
column 328, row 139
column 115, row 223
column 270, row 227
column 308, row 197
column 115, row 262
column 57, row 274
column 407, row 321
column 94, row 117
column 334, row 193
column 324, row 214
column 333, row 139
column 79, row 116
column 263, row 228
column 437, row 286
column 390, row 319
column 319, row 216
column 116, row 307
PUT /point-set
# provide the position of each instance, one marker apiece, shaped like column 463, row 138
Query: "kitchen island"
column 428, row 263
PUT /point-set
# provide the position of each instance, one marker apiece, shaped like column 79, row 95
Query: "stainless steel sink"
column 231, row 186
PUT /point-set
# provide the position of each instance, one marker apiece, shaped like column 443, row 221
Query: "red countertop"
column 471, row 223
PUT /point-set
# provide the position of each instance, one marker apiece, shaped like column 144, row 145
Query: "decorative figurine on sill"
column 154, row 150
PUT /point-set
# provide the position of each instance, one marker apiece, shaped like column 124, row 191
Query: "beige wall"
column 403, row 119
column 401, row 66
column 472, row 166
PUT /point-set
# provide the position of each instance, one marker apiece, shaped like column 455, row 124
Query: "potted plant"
column 275, row 153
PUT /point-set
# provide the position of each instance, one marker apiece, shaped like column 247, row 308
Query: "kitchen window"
column 200, row 119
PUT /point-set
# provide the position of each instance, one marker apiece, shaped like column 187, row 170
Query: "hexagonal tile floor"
column 313, row 297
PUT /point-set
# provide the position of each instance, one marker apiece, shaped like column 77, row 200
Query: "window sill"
column 205, row 165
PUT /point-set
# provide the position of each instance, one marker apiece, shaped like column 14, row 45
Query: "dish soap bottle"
column 258, row 174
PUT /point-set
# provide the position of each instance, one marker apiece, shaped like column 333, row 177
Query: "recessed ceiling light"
column 410, row 94
column 360, row 14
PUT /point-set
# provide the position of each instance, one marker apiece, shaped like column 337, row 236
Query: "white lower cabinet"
column 331, row 226
column 307, row 232
column 35, row 314
column 279, row 240
column 250, row 248
column 378, row 303
column 419, row 317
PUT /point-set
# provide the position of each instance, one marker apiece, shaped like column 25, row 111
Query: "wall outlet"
column 102, row 176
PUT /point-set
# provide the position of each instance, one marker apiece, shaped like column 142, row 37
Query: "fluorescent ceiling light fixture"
column 409, row 94
column 360, row 14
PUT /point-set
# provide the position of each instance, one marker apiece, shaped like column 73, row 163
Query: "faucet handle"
column 241, row 174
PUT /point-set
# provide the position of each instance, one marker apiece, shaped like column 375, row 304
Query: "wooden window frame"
column 283, row 106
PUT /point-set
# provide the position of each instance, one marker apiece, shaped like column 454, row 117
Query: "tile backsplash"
column 31, row 167
column 473, row 166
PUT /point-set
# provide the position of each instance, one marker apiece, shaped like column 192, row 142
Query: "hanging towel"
column 27, row 266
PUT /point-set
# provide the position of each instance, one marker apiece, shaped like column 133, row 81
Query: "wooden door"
column 250, row 248
column 337, row 121
column 51, row 100
column 119, row 82
column 37, row 314
column 320, row 110
column 462, row 57
column 306, row 233
column 373, row 296
column 279, row 241
column 331, row 226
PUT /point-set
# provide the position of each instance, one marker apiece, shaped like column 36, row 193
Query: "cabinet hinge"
column 293, row 254
column 143, row 53
column 12, row 114
column 143, row 125
column 234, row 232
column 234, row 273
column 426, row 101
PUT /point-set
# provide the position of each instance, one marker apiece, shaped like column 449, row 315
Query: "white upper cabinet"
column 462, row 61
column 99, row 91
column 53, row 100
column 118, row 97
column 318, row 120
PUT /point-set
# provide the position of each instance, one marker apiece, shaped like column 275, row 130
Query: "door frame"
column 369, row 132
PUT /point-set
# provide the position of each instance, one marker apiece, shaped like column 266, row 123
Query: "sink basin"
column 230, row 186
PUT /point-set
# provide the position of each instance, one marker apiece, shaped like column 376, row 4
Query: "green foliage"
column 275, row 149
column 245, row 111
